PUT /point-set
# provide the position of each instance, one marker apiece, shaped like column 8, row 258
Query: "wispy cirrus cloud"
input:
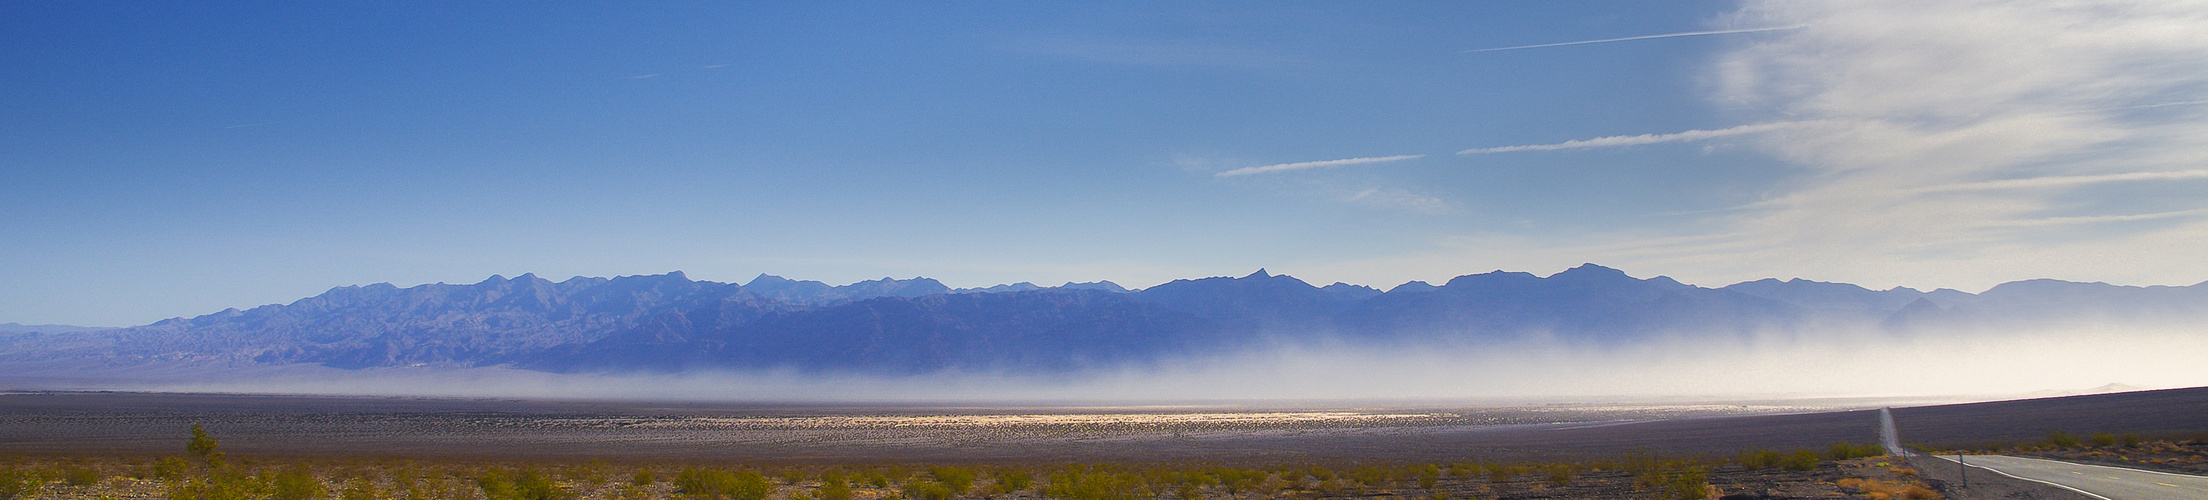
column 1971, row 142
column 1956, row 144
column 2066, row 181
column 1306, row 165
column 1636, row 140
column 1642, row 37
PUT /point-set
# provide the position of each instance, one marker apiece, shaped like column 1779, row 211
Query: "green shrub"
column 745, row 485
column 170, row 468
column 296, row 483
column 80, row 476
column 14, row 483
column 1560, row 474
column 1500, row 473
column 2061, row 439
column 643, row 477
column 2131, row 440
column 1009, row 480
column 834, row 487
column 360, row 489
column 523, row 484
column 1076, row 484
column 1759, row 459
column 220, row 484
column 1675, row 479
column 1844, row 451
column 959, row 480
column 1799, row 460
column 2102, row 439
column 923, row 489
column 201, row 444
column 592, row 471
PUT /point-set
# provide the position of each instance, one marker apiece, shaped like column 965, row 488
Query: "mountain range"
column 670, row 323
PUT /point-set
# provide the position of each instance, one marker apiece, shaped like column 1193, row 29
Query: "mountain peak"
column 1259, row 274
column 1590, row 270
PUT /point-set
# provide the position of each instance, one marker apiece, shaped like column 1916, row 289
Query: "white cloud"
column 2070, row 180
column 1930, row 144
column 1636, row 140
column 1642, row 37
column 1954, row 140
column 1283, row 167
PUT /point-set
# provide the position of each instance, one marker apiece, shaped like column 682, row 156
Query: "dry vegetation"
column 205, row 472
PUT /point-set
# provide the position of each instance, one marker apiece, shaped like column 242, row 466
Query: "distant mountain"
column 1588, row 302
column 814, row 292
column 1260, row 301
column 1027, row 331
column 668, row 322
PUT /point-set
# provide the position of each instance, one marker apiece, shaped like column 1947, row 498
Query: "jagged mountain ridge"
column 672, row 323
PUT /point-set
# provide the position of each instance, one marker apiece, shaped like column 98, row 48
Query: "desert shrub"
column 1759, row 459
column 201, row 443
column 1077, row 484
column 1428, row 476
column 359, row 489
column 1560, row 474
column 1499, row 473
column 75, row 475
column 2061, row 439
column 296, row 483
column 1236, row 481
column 833, row 487
column 958, row 479
column 523, row 484
column 2131, row 440
column 170, row 468
column 220, row 485
column 1009, row 480
column 877, row 479
column 1369, row 475
column 927, row 490
column 2102, row 439
column 1799, row 460
column 1844, row 451
column 745, row 485
column 1877, row 489
column 591, row 471
column 643, row 477
column 1673, row 479
column 15, row 483
column 791, row 476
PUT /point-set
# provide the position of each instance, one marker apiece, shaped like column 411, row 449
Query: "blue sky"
column 175, row 160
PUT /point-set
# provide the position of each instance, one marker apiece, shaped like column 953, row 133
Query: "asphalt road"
column 2112, row 483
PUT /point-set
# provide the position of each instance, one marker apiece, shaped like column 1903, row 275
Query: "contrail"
column 1635, row 140
column 1642, row 37
column 1313, row 164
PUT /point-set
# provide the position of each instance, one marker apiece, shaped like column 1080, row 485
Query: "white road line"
column 2049, row 483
